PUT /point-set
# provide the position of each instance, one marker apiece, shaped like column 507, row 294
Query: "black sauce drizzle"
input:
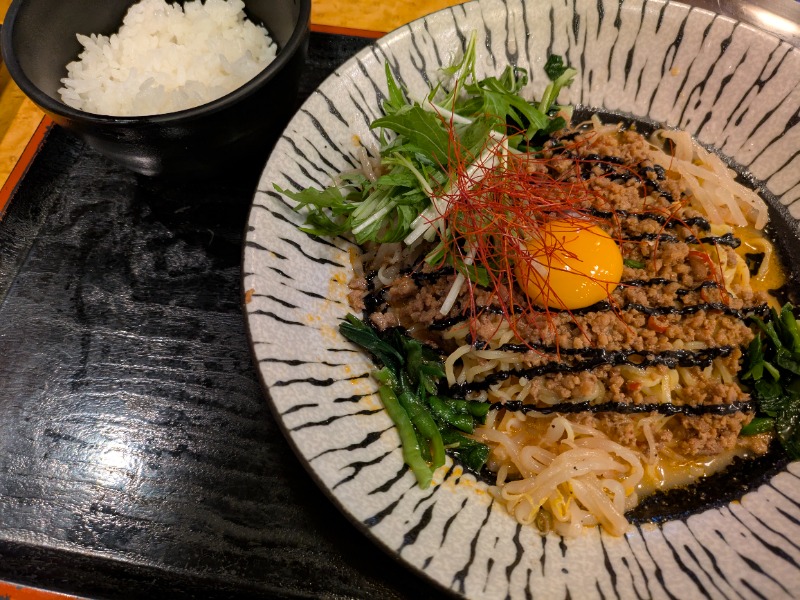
column 610, row 166
column 603, row 306
column 668, row 222
column 600, row 358
column 666, row 408
column 717, row 240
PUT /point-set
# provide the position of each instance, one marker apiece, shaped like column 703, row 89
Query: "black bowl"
column 38, row 40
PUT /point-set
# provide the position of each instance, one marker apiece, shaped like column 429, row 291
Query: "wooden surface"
column 19, row 121
column 373, row 16
column 13, row 591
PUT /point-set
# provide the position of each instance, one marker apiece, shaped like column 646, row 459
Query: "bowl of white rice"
column 161, row 87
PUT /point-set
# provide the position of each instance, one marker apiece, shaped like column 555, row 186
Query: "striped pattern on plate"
column 730, row 85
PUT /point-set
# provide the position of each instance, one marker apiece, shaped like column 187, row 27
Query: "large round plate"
column 731, row 86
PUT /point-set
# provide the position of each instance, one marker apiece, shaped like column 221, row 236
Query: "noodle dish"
column 567, row 304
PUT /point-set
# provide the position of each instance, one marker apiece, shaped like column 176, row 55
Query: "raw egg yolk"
column 570, row 265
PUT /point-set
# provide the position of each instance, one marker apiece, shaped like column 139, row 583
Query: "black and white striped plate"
column 733, row 87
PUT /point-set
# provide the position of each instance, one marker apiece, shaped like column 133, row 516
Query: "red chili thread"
column 491, row 214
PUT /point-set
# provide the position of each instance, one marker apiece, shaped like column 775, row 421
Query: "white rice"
column 165, row 58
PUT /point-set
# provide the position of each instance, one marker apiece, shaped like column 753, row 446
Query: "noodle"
column 711, row 183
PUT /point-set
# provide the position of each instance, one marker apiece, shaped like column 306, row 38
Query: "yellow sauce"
column 771, row 275
column 670, row 474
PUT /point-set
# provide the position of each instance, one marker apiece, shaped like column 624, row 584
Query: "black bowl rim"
column 58, row 108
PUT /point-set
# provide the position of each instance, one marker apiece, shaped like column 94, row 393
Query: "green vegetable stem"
column 412, row 454
column 426, row 423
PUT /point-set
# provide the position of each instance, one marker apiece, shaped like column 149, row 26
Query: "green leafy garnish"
column 470, row 452
column 555, row 68
column 365, row 336
column 772, row 364
column 425, row 143
column 425, row 422
column 421, row 133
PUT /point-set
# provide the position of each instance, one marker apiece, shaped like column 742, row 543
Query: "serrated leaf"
column 770, row 395
column 423, row 131
column 396, row 99
column 754, row 360
column 785, row 361
column 554, row 67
